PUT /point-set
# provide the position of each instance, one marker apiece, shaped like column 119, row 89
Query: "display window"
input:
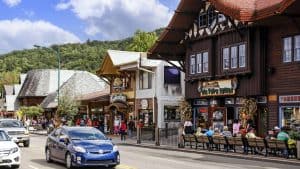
column 171, row 113
column 147, row 117
column 290, row 116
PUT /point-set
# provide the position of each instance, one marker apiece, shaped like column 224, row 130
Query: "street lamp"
column 58, row 72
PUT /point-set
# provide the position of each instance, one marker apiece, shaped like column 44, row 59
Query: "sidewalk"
column 132, row 142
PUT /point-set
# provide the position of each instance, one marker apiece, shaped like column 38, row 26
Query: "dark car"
column 80, row 147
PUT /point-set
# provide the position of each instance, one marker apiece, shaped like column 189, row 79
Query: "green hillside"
column 85, row 56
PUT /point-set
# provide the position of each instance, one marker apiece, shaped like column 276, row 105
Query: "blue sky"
column 24, row 23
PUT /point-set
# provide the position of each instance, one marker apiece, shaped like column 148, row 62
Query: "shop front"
column 145, row 112
column 289, row 111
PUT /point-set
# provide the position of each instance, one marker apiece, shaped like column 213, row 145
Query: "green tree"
column 142, row 41
column 67, row 108
column 31, row 111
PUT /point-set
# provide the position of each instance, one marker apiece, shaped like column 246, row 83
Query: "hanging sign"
column 217, row 87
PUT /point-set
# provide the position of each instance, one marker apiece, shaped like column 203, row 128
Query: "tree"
column 67, row 108
column 185, row 110
column 142, row 41
column 248, row 110
column 30, row 111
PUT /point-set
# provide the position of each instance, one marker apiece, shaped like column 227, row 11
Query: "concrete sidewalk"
column 132, row 142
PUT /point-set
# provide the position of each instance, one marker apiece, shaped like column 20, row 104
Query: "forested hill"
column 85, row 56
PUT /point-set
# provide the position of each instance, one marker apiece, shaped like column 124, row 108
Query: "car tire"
column 26, row 143
column 15, row 166
column 48, row 155
column 69, row 163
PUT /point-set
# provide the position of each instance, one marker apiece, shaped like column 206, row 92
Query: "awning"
column 119, row 106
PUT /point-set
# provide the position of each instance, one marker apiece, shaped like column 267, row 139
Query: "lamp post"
column 57, row 53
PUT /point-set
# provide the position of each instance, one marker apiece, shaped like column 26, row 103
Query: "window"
column 226, row 58
column 192, row 64
column 242, row 55
column 171, row 113
column 205, row 61
column 212, row 17
column 287, row 49
column 145, row 80
column 199, row 63
column 297, row 48
column 202, row 19
column 233, row 57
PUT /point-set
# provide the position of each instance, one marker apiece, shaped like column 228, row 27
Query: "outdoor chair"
column 230, row 143
column 200, row 141
column 188, row 140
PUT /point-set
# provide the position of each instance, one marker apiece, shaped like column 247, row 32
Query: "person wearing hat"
column 276, row 131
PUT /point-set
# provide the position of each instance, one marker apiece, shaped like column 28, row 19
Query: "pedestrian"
column 236, row 127
column 116, row 125
column 130, row 127
column 123, row 130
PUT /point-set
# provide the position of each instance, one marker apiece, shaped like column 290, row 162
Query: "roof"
column 98, row 95
column 79, row 84
column 41, row 82
column 251, row 10
column 170, row 44
column 116, row 58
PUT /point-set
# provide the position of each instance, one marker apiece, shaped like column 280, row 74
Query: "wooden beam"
column 235, row 27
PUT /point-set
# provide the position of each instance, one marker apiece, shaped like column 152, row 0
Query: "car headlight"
column 79, row 149
column 115, row 148
column 14, row 150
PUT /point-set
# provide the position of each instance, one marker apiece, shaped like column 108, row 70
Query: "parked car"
column 9, row 151
column 81, row 147
column 16, row 131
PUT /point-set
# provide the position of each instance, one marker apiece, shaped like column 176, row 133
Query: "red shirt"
column 123, row 127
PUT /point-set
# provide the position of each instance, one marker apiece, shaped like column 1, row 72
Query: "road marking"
column 33, row 167
column 122, row 166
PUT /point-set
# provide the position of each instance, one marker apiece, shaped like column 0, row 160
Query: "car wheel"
column 15, row 166
column 48, row 155
column 26, row 143
column 69, row 163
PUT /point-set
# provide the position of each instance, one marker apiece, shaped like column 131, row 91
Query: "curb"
column 228, row 155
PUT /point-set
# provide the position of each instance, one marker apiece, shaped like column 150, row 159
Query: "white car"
column 9, row 151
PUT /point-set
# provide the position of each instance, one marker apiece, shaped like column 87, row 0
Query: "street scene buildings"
column 220, row 81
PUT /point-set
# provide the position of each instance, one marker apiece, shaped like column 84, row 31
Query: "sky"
column 24, row 23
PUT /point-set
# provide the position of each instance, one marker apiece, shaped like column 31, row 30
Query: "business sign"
column 144, row 104
column 118, row 97
column 218, row 87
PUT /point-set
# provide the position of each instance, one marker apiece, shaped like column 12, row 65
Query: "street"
column 142, row 158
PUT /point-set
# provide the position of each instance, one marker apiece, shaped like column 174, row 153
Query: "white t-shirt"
column 187, row 123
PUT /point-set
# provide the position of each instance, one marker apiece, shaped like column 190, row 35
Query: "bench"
column 256, row 144
column 278, row 147
column 188, row 140
column 200, row 141
column 218, row 141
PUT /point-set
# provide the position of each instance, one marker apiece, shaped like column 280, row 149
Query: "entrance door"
column 218, row 116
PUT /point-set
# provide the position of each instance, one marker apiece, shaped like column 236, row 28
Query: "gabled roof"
column 170, row 44
column 41, row 82
column 79, row 84
column 251, row 10
column 114, row 58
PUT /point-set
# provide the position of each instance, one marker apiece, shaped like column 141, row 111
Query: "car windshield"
column 86, row 134
column 10, row 123
column 3, row 136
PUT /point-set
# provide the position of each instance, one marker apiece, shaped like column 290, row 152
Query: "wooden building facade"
column 232, row 51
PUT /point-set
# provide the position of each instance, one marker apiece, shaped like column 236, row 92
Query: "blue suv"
column 81, row 147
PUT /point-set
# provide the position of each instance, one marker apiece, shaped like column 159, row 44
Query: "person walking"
column 123, row 129
column 130, row 128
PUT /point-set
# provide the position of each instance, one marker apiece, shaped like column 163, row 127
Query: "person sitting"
column 226, row 132
column 283, row 135
column 217, row 132
column 210, row 132
column 199, row 132
column 251, row 133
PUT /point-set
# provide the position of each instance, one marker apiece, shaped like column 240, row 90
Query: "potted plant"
column 296, row 136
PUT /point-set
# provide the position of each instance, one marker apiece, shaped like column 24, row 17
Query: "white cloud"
column 115, row 19
column 18, row 34
column 11, row 3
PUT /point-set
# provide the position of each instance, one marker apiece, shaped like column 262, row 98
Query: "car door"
column 53, row 143
column 62, row 146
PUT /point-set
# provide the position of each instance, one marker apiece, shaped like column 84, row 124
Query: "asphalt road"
column 142, row 158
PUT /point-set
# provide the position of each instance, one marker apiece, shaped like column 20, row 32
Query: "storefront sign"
column 272, row 98
column 118, row 97
column 289, row 99
column 200, row 102
column 144, row 104
column 218, row 87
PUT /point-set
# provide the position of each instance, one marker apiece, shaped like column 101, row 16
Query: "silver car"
column 15, row 129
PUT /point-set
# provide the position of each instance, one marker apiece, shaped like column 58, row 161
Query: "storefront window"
column 290, row 117
column 147, row 117
column 171, row 113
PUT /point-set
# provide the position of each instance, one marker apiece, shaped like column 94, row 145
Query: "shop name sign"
column 218, row 87
column 118, row 97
